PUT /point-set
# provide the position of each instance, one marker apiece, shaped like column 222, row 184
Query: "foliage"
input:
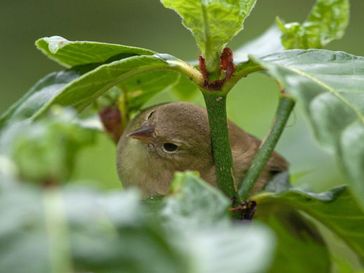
column 67, row 228
column 334, row 108
column 81, row 230
column 326, row 22
column 212, row 23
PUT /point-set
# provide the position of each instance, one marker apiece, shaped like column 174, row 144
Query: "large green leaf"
column 140, row 77
column 83, row 55
column 326, row 22
column 184, row 89
column 330, row 86
column 38, row 95
column 335, row 209
column 213, row 23
column 138, row 70
column 293, row 232
column 140, row 88
column 77, row 53
column 297, row 238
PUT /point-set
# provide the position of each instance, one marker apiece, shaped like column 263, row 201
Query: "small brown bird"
column 175, row 137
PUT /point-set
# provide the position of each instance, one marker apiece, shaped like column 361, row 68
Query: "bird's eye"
column 170, row 147
column 150, row 115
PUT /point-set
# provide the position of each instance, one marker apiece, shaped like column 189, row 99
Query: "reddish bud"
column 227, row 62
column 111, row 120
column 203, row 69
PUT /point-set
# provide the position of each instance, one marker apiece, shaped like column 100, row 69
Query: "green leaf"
column 38, row 95
column 140, row 77
column 329, row 85
column 134, row 70
column 326, row 22
column 297, row 238
column 293, row 232
column 77, row 53
column 213, row 23
column 140, row 88
column 336, row 209
column 184, row 89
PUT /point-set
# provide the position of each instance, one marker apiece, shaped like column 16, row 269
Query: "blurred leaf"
column 23, row 232
column 45, row 151
column 335, row 209
column 200, row 213
column 297, row 238
column 77, row 53
column 82, row 230
column 269, row 42
column 110, row 233
column 326, row 22
column 38, row 95
column 104, row 233
column 213, row 23
column 330, row 87
column 194, row 203
column 279, row 183
column 133, row 71
column 7, row 171
column 235, row 249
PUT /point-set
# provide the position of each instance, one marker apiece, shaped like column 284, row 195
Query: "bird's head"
column 174, row 132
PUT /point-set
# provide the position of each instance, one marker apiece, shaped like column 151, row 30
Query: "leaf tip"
column 52, row 44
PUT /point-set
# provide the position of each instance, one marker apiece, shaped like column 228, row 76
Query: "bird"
column 175, row 137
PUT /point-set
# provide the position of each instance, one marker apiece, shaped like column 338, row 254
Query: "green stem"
column 285, row 107
column 216, row 109
column 242, row 70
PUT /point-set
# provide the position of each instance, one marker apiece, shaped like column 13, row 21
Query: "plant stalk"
column 285, row 107
column 216, row 109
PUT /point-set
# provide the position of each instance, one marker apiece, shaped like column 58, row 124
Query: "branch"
column 285, row 107
column 216, row 109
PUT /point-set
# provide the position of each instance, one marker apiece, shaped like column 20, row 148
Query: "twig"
column 285, row 107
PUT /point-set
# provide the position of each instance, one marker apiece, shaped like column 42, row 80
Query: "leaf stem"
column 242, row 70
column 216, row 109
column 285, row 107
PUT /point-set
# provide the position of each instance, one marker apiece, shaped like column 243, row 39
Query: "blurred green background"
column 146, row 23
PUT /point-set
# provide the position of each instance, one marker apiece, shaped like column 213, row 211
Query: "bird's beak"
column 143, row 133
